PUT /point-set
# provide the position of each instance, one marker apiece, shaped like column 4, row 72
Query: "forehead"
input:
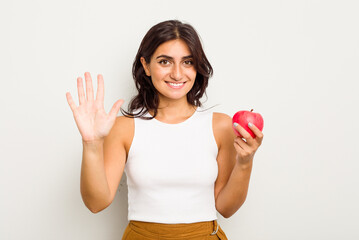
column 176, row 48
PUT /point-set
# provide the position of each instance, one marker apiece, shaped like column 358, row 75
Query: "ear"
column 145, row 66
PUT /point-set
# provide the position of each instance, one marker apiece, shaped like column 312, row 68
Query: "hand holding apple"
column 249, row 137
column 245, row 117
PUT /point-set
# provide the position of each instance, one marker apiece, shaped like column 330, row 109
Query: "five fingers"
column 89, row 93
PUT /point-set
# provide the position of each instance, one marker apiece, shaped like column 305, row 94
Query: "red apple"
column 244, row 117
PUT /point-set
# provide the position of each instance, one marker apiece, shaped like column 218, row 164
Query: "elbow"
column 96, row 205
column 223, row 213
column 227, row 213
column 96, row 209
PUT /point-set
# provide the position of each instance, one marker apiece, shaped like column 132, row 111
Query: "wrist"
column 244, row 166
column 93, row 143
column 93, row 140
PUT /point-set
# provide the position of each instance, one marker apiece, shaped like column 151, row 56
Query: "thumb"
column 116, row 107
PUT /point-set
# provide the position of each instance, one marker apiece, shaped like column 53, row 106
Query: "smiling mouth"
column 176, row 85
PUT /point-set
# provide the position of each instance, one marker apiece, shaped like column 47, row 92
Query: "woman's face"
column 171, row 70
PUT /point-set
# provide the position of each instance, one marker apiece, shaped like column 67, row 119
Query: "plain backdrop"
column 295, row 62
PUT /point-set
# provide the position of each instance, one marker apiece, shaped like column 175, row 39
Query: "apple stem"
column 251, row 110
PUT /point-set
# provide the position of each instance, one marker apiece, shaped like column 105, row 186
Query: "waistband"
column 174, row 231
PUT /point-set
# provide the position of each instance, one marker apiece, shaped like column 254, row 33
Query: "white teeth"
column 176, row 84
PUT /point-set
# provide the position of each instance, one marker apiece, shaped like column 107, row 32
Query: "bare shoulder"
column 123, row 122
column 222, row 127
column 122, row 125
column 221, row 119
column 122, row 131
column 126, row 126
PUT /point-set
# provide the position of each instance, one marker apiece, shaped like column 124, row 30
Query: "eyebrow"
column 165, row 56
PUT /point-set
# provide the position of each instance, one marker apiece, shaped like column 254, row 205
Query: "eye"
column 188, row 62
column 164, row 62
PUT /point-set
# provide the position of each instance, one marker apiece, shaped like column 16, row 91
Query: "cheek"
column 192, row 74
column 158, row 73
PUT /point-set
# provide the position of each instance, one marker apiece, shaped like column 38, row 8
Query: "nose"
column 176, row 72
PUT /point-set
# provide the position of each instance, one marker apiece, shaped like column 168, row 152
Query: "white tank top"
column 171, row 170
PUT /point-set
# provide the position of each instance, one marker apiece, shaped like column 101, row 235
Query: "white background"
column 295, row 62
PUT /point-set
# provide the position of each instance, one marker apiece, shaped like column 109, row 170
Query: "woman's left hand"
column 246, row 149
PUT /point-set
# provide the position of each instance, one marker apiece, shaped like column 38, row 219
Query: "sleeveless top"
column 171, row 170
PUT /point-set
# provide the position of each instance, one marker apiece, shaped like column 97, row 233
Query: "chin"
column 172, row 96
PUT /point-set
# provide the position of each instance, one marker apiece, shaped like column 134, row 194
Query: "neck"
column 173, row 111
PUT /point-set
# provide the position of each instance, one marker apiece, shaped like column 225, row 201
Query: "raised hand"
column 91, row 119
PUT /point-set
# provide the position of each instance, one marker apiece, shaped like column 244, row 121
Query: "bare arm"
column 94, row 187
column 95, row 127
column 235, row 160
column 103, row 164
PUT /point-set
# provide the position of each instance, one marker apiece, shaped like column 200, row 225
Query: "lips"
column 175, row 85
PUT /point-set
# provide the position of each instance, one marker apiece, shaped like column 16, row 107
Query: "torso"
column 128, row 128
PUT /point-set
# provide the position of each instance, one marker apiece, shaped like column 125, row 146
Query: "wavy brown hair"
column 147, row 97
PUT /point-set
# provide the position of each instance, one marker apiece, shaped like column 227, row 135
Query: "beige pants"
column 137, row 230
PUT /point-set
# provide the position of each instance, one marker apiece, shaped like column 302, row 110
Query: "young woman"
column 183, row 163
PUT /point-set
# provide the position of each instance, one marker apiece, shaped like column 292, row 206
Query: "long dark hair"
column 147, row 97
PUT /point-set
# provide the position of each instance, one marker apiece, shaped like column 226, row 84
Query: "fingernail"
column 250, row 124
column 235, row 124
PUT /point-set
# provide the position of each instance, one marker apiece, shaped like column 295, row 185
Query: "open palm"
column 90, row 116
